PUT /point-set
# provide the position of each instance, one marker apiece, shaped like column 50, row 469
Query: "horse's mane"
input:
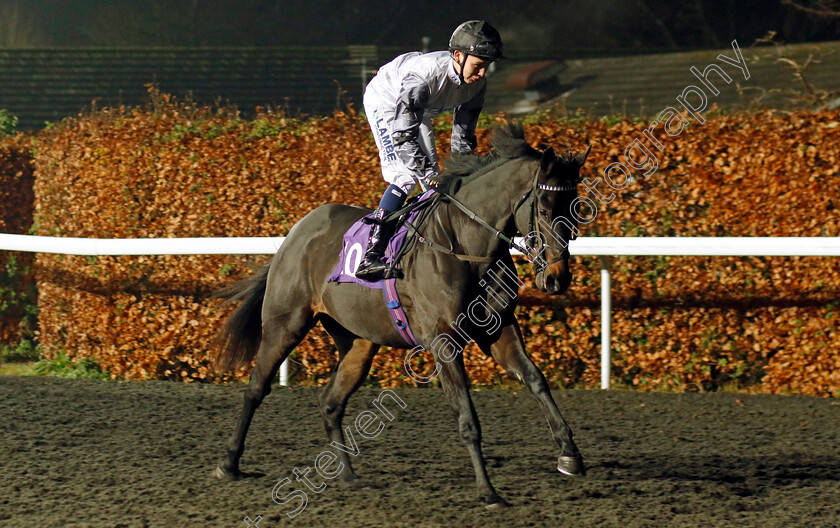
column 507, row 141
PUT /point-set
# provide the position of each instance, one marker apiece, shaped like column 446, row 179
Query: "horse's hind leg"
column 356, row 355
column 456, row 387
column 280, row 335
column 509, row 351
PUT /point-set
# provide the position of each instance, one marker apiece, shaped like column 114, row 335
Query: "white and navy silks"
column 399, row 103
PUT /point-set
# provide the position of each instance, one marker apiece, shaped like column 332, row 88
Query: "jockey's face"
column 474, row 69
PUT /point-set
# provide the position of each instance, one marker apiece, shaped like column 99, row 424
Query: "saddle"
column 407, row 219
column 421, row 205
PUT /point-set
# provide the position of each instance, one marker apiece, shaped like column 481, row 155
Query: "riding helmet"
column 478, row 38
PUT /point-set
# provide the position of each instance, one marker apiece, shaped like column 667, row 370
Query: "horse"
column 485, row 200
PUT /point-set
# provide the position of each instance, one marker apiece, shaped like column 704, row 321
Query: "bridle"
column 539, row 264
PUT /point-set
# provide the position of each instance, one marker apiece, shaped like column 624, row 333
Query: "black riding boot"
column 372, row 268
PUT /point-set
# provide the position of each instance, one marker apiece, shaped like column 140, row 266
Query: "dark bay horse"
column 513, row 189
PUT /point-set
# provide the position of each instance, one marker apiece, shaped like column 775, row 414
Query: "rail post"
column 605, row 321
column 284, row 372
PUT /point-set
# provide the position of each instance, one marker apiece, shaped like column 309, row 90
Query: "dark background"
column 583, row 26
column 58, row 56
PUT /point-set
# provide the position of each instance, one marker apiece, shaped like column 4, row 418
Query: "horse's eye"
column 544, row 213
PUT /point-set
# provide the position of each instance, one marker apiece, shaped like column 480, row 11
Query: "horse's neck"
column 491, row 197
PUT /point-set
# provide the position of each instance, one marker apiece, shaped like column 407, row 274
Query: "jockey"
column 399, row 102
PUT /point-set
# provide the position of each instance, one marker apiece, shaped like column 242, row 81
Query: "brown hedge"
column 17, row 284
column 685, row 323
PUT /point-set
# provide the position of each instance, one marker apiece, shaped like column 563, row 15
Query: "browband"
column 544, row 187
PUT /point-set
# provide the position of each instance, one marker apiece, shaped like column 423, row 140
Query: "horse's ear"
column 581, row 158
column 547, row 161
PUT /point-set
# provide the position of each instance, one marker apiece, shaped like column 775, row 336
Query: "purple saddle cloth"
column 355, row 243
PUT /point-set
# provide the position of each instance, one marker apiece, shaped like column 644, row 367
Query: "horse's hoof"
column 572, row 466
column 495, row 503
column 354, row 483
column 226, row 474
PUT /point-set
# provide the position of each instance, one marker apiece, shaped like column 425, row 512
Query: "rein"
column 438, row 247
column 537, row 263
column 498, row 234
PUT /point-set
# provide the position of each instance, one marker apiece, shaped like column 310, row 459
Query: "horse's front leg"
column 509, row 351
column 453, row 379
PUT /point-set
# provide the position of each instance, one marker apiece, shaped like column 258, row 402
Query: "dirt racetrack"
column 80, row 453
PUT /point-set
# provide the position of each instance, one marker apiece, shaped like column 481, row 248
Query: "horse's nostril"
column 550, row 283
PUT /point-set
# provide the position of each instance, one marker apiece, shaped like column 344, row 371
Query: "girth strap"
column 392, row 301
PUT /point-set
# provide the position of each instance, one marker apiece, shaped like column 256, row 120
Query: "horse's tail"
column 239, row 338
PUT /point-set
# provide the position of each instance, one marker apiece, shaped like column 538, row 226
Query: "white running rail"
column 603, row 247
